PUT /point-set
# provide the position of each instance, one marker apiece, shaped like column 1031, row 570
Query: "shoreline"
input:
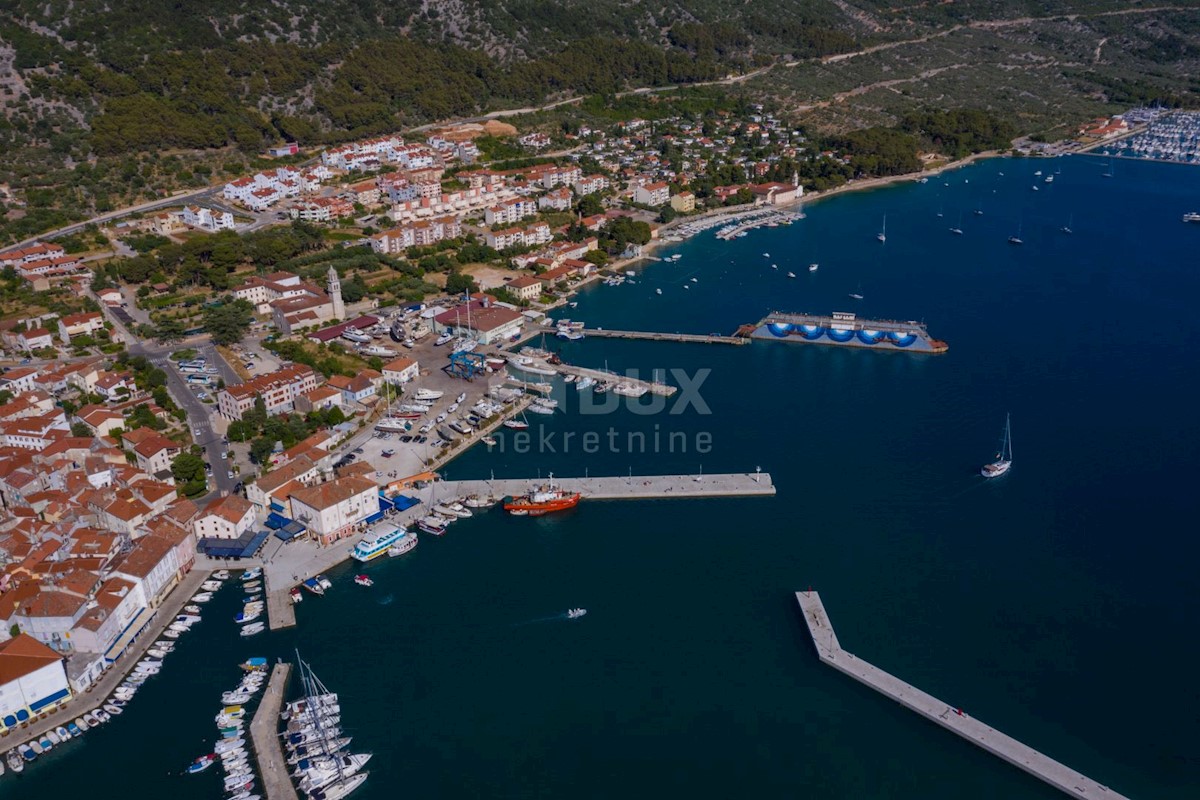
column 850, row 186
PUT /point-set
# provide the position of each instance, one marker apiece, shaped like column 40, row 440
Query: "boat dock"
column 633, row 487
column 845, row 329
column 700, row 338
column 281, row 611
column 264, row 734
column 953, row 719
column 600, row 376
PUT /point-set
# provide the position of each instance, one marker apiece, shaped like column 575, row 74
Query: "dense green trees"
column 188, row 471
column 227, row 322
column 960, row 132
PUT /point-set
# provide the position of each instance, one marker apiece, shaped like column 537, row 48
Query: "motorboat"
column 404, row 544
column 313, row 586
column 221, row 575
column 251, row 574
column 112, row 709
column 490, row 441
column 252, row 628
column 542, row 500
column 585, row 383
column 202, row 597
column 791, row 274
column 813, row 267
column 454, row 509
column 516, row 424
column 211, row 586
column 363, row 580
column 576, row 613
column 433, row 525
column 202, row 763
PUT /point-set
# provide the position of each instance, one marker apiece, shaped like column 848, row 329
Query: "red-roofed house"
column 33, row 681
column 227, row 518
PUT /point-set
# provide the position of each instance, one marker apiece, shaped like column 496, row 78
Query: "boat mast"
column 1008, row 436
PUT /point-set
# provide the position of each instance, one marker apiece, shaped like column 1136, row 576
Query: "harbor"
column 846, row 330
column 267, row 749
column 944, row 714
column 296, row 562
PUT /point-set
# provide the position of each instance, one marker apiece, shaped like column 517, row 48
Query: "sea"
column 1057, row 603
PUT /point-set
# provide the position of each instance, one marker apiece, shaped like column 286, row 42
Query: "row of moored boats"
column 317, row 749
column 230, row 749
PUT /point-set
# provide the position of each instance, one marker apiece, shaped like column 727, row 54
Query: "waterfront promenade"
column 953, row 719
column 99, row 692
column 292, row 563
column 264, row 734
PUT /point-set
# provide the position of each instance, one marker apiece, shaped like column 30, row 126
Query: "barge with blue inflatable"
column 847, row 330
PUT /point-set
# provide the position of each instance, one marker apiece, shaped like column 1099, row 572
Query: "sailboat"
column 940, row 212
column 1067, row 228
column 882, row 235
column 1109, row 172
column 958, row 230
column 1016, row 239
column 1003, row 462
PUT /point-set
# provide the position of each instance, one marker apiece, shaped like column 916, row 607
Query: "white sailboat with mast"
column 882, row 235
column 1003, row 462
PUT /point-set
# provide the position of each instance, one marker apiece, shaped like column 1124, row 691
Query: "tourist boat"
column 813, row 267
column 542, row 500
column 253, row 628
column 402, row 545
column 376, row 542
column 1003, row 461
column 882, row 235
column 313, row 586
column 576, row 613
column 364, row 580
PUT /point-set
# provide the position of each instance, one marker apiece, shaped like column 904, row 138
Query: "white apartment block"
column 278, row 390
column 510, row 211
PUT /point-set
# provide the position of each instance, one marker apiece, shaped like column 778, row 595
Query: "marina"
column 949, row 717
column 1172, row 137
column 847, row 330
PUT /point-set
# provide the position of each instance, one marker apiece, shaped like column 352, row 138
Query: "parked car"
column 388, row 453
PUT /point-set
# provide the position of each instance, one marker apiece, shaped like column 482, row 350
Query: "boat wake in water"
column 573, row 613
column 386, row 600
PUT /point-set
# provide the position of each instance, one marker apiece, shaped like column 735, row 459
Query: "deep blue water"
column 1055, row 603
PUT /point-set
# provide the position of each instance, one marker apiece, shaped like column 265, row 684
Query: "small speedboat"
column 112, row 709
column 253, row 628
column 251, row 574
column 202, row 763
column 813, row 267
column 791, row 274
column 220, row 575
column 490, row 441
column 81, row 723
column 576, row 613
column 363, row 580
column 203, row 597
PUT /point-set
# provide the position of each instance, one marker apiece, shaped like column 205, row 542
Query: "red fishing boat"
column 542, row 500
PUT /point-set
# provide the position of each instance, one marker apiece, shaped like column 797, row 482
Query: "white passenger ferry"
column 377, row 541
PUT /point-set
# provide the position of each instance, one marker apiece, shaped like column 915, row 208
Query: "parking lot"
column 411, row 457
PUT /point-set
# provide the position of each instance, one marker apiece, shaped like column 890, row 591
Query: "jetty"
column 281, row 611
column 632, row 487
column 264, row 733
column 657, row 336
column 949, row 717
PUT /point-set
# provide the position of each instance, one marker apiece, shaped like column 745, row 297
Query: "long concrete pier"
column 635, row 487
column 264, row 733
column 701, row 338
column 281, row 611
column 953, row 719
